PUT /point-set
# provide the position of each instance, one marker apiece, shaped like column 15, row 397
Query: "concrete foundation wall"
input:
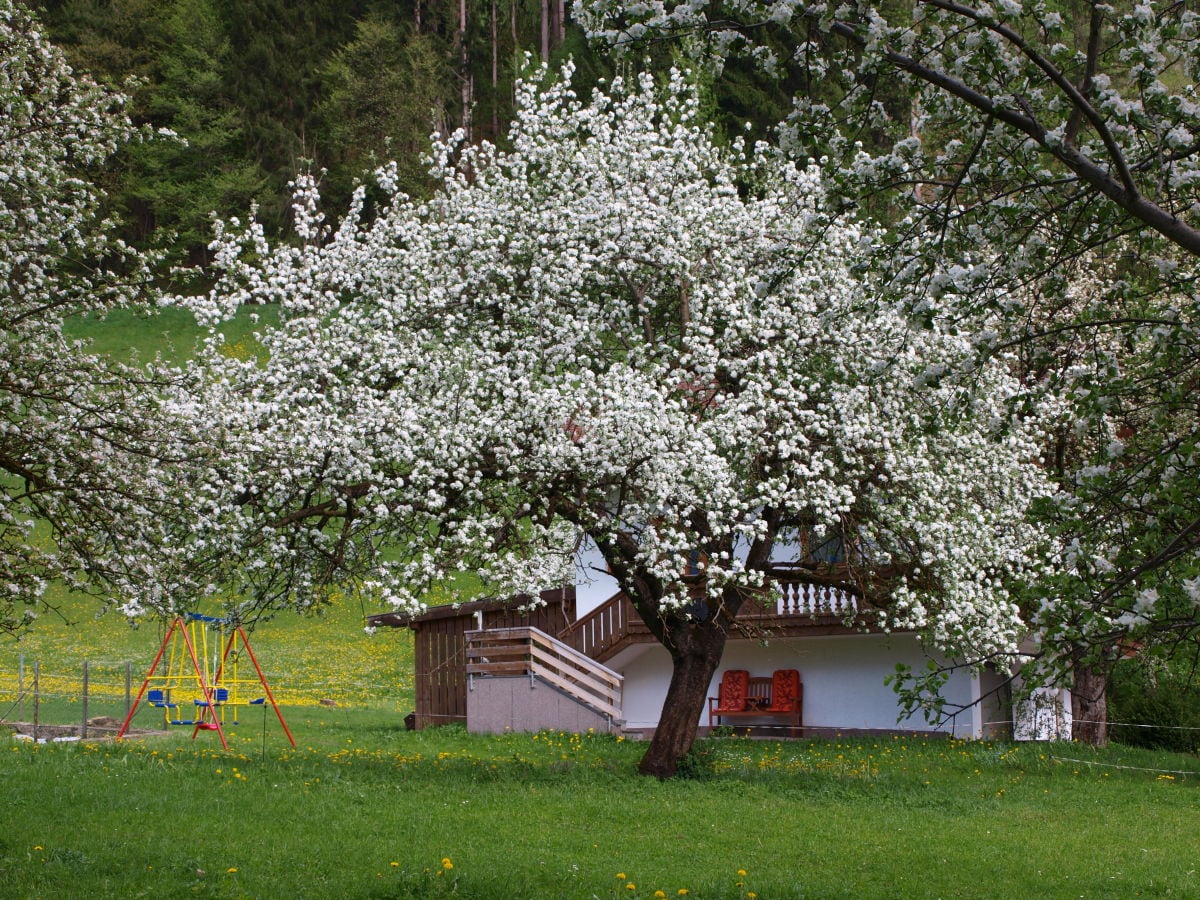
column 496, row 704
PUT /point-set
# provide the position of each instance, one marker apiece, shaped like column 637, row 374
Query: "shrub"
column 1155, row 704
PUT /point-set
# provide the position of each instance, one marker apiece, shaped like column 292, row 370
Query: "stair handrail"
column 549, row 658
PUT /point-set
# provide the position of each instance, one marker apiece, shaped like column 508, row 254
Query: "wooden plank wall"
column 440, row 649
column 441, row 680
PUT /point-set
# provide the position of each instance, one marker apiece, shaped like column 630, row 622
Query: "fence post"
column 128, row 687
column 83, row 726
column 37, row 671
column 21, row 689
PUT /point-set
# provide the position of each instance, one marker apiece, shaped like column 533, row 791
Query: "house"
column 439, row 633
column 584, row 659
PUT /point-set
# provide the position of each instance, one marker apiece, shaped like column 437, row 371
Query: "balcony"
column 791, row 608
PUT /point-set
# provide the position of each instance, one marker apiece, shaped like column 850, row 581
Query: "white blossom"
column 615, row 327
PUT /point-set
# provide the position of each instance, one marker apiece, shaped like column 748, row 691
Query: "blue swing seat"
column 160, row 699
column 219, row 696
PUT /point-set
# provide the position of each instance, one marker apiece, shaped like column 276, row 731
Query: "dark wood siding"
column 440, row 647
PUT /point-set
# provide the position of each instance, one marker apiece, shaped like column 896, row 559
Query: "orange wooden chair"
column 731, row 694
column 787, row 697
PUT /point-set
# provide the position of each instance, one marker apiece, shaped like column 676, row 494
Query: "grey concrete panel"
column 496, row 704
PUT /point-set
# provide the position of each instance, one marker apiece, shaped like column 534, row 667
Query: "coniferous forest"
column 258, row 90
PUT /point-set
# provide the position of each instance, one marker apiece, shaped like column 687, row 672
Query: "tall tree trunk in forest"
column 495, row 74
column 545, row 30
column 560, row 32
column 417, row 17
column 466, row 80
column 1089, row 704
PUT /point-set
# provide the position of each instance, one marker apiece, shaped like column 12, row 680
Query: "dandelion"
column 394, row 864
column 742, row 873
column 231, row 870
column 683, row 892
column 660, row 893
column 446, row 864
column 620, row 875
column 631, row 886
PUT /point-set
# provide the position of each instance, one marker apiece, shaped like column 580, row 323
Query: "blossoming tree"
column 83, row 450
column 1048, row 150
column 622, row 330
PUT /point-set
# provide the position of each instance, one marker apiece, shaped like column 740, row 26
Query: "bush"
column 1149, row 692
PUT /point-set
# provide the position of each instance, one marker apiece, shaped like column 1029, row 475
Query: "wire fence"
column 100, row 695
column 1109, row 765
column 87, row 697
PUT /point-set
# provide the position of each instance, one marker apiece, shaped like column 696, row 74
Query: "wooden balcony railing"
column 607, row 629
column 615, row 624
column 528, row 651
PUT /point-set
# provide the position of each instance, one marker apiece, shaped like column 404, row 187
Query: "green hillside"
column 326, row 657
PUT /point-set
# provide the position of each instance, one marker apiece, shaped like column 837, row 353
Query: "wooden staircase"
column 529, row 651
column 607, row 630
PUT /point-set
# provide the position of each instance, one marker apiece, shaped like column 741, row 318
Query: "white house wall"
column 593, row 583
column 843, row 679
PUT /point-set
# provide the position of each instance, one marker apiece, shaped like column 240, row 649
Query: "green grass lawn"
column 171, row 332
column 363, row 808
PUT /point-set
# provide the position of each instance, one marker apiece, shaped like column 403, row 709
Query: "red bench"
column 741, row 695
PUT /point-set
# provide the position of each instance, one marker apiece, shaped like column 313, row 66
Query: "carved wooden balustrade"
column 789, row 607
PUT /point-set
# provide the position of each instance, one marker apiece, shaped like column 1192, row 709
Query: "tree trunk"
column 695, row 637
column 1089, row 705
column 466, row 79
column 495, row 72
column 696, row 649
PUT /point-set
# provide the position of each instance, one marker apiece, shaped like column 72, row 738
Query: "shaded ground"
column 101, row 728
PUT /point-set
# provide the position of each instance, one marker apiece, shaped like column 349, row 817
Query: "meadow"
column 363, row 808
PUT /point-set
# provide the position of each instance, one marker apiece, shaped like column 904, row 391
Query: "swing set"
column 196, row 689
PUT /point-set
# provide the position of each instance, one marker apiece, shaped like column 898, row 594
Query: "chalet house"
column 583, row 658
